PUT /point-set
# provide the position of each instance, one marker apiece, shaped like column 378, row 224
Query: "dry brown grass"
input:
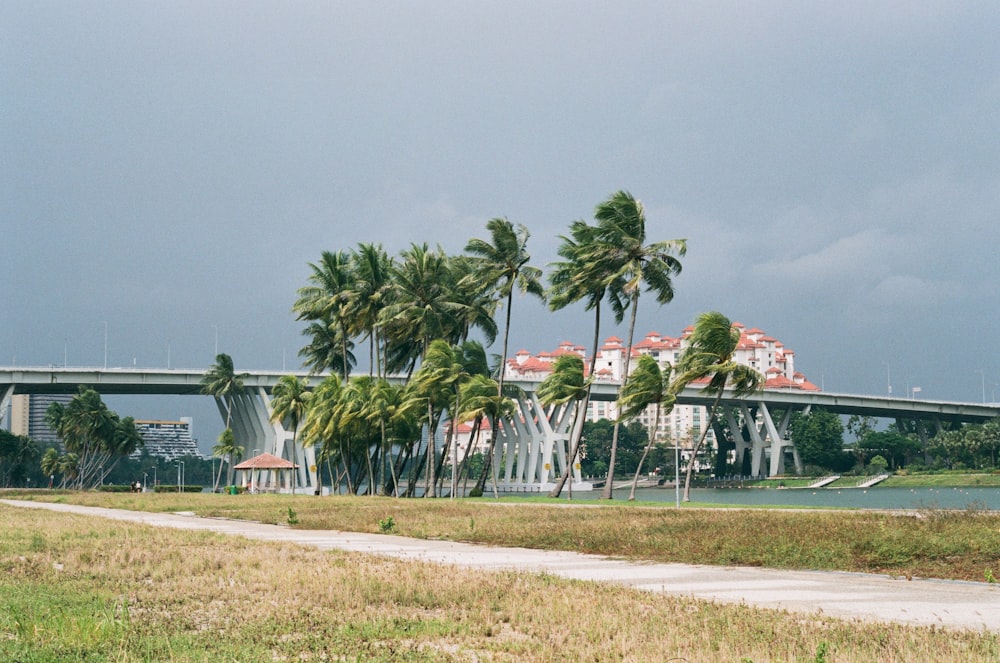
column 931, row 544
column 162, row 594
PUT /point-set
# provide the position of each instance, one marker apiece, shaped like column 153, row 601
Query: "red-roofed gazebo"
column 268, row 463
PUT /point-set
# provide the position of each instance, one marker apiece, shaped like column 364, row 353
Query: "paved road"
column 950, row 604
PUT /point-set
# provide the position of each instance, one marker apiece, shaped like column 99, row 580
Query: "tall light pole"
column 888, row 381
column 180, row 476
column 216, row 340
column 677, row 475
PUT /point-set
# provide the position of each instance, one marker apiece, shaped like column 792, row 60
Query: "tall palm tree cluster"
column 94, row 437
column 415, row 313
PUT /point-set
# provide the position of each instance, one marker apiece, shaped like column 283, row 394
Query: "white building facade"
column 684, row 423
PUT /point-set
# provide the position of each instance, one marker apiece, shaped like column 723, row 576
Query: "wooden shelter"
column 267, row 473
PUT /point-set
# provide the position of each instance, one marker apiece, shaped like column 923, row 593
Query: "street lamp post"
column 677, row 476
column 144, row 475
column 180, row 476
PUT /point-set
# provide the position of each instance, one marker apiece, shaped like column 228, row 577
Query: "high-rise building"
column 27, row 415
column 168, row 439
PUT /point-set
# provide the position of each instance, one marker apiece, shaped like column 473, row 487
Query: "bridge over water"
column 532, row 446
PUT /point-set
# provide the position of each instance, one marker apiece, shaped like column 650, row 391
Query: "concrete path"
column 950, row 604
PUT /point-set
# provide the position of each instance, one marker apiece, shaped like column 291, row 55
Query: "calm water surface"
column 855, row 498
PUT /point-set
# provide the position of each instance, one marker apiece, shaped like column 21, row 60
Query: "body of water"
column 854, row 498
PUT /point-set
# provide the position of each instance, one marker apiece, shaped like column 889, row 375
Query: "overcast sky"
column 169, row 169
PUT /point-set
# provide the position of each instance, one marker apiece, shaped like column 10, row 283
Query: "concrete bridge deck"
column 944, row 604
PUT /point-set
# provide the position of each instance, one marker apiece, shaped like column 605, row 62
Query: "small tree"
column 878, row 464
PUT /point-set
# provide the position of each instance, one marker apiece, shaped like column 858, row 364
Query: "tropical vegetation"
column 94, row 438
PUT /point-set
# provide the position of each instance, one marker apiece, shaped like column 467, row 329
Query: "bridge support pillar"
column 531, row 444
column 254, row 430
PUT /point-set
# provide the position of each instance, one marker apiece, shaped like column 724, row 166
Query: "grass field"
column 961, row 545
column 74, row 588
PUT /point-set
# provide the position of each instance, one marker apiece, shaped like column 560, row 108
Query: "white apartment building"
column 684, row 423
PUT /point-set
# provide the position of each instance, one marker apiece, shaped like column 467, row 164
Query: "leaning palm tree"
column 50, row 462
column 474, row 300
column 224, row 383
column 566, row 385
column 435, row 386
column 327, row 350
column 620, row 250
column 329, row 298
column 479, row 400
column 320, row 426
column 709, row 356
column 289, row 403
column 504, row 265
column 371, row 290
column 228, row 452
column 581, row 276
column 422, row 306
column 648, row 385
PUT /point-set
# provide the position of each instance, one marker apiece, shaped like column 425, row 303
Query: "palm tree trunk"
column 645, row 452
column 608, row 487
column 431, row 454
column 701, row 440
column 506, row 336
column 218, row 476
column 581, row 414
column 464, row 465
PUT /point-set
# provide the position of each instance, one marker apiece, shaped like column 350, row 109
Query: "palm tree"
column 329, row 298
column 327, row 349
column 370, row 265
column 709, row 355
column 503, row 264
column 228, row 452
column 379, row 410
column 619, row 250
column 88, row 429
column 321, row 427
column 474, row 300
column 50, row 464
column 222, row 382
column 565, row 385
column 648, row 385
column 289, row 403
column 422, row 306
column 479, row 400
column 434, row 386
column 581, row 276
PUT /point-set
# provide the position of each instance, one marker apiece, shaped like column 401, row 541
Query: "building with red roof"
column 756, row 349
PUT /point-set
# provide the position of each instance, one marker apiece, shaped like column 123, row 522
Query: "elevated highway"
column 532, row 447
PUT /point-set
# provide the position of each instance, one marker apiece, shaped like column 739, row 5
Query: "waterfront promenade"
column 944, row 604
